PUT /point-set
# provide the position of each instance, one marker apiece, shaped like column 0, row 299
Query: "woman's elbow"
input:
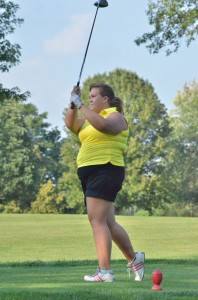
column 68, row 124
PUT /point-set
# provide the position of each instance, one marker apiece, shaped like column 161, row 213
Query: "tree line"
column 38, row 165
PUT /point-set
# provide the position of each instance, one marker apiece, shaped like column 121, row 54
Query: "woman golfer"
column 103, row 133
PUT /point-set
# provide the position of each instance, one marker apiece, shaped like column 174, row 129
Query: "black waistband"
column 84, row 171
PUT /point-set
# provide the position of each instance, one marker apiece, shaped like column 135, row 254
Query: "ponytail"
column 118, row 103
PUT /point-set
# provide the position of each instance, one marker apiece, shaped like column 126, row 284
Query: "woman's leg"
column 105, row 229
column 120, row 236
column 98, row 213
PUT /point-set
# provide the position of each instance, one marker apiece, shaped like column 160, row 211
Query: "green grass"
column 46, row 256
column 63, row 280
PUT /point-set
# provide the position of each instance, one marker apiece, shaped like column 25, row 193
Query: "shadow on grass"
column 74, row 263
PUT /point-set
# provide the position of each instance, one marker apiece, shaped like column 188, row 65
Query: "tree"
column 182, row 162
column 48, row 200
column 149, row 126
column 29, row 154
column 69, row 182
column 9, row 53
column 173, row 21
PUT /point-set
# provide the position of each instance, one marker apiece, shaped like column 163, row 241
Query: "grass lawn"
column 46, row 256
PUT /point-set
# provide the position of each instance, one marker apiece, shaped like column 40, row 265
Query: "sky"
column 54, row 37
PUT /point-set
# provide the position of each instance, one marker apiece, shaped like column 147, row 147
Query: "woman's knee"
column 96, row 220
column 98, row 210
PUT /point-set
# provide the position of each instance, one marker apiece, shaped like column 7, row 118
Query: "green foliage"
column 16, row 175
column 149, row 126
column 48, row 200
column 173, row 21
column 28, row 152
column 161, row 166
column 9, row 53
column 69, row 182
column 142, row 213
column 13, row 93
column 177, row 209
column 10, row 207
column 182, row 162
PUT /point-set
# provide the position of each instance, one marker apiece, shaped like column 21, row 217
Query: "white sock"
column 105, row 271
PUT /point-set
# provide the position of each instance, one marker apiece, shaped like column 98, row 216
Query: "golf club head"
column 101, row 3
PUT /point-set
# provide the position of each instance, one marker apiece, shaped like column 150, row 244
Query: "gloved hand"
column 76, row 90
column 75, row 98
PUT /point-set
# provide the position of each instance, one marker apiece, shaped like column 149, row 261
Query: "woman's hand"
column 76, row 90
column 75, row 98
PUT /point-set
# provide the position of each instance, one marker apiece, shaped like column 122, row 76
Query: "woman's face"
column 97, row 102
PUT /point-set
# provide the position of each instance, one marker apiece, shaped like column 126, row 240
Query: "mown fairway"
column 46, row 257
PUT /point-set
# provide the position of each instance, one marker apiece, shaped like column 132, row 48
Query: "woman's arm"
column 113, row 124
column 72, row 121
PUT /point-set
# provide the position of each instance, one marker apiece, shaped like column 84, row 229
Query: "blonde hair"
column 106, row 90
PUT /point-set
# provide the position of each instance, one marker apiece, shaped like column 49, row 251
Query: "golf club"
column 98, row 4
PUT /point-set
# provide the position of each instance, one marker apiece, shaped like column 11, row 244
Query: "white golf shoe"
column 137, row 266
column 99, row 277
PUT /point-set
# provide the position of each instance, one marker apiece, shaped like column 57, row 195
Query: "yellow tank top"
column 100, row 148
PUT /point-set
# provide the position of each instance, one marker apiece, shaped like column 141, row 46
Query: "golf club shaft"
column 78, row 83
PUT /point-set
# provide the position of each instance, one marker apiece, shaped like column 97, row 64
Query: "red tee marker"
column 157, row 279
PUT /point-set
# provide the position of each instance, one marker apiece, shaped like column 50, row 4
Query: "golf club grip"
column 72, row 104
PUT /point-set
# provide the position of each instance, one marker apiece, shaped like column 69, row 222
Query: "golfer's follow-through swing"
column 98, row 4
column 103, row 134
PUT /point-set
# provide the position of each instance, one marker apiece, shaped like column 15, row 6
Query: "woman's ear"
column 105, row 99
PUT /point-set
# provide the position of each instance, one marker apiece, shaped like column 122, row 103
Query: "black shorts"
column 101, row 181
